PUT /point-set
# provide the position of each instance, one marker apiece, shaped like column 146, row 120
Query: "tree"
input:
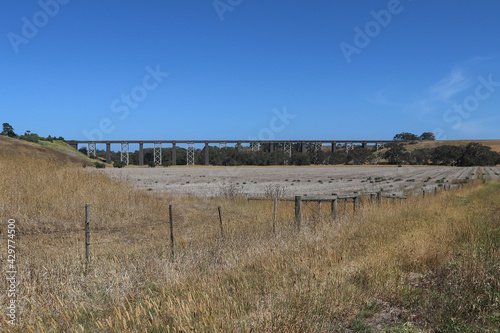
column 338, row 157
column 427, row 136
column 359, row 155
column 300, row 159
column 396, row 154
column 405, row 136
column 477, row 154
column 8, row 130
column 420, row 156
column 446, row 155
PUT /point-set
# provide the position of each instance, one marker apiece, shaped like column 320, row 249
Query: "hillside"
column 57, row 150
column 494, row 144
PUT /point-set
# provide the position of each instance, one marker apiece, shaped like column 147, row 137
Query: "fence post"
column 319, row 209
column 87, row 234
column 373, row 197
column 334, row 208
column 275, row 214
column 423, row 193
column 220, row 219
column 379, row 197
column 355, row 202
column 298, row 211
column 171, row 219
column 345, row 206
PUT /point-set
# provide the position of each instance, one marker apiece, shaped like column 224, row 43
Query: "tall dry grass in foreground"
column 429, row 264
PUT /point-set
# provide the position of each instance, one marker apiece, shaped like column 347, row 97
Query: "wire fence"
column 90, row 226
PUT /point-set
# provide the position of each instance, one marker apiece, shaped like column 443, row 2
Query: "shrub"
column 99, row 165
column 300, row 159
column 118, row 164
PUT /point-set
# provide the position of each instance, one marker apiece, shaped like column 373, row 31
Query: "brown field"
column 310, row 180
column 425, row 265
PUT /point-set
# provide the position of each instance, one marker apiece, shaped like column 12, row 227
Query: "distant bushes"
column 473, row 154
column 99, row 165
column 8, row 130
column 118, row 164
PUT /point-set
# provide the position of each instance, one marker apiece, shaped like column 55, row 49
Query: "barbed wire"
column 49, row 234
column 134, row 240
column 40, row 206
column 42, row 222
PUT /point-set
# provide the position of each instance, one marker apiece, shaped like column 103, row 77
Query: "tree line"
column 8, row 130
column 393, row 153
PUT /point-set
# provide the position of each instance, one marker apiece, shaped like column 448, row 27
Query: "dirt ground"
column 291, row 181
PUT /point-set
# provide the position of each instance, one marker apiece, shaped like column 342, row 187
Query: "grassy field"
column 57, row 150
column 494, row 144
column 428, row 264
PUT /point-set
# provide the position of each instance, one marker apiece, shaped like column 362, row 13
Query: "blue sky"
column 240, row 69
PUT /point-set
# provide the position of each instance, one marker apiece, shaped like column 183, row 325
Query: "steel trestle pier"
column 253, row 145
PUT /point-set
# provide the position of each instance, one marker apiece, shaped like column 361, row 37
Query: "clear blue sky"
column 337, row 69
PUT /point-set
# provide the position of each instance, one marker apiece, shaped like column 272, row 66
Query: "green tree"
column 8, row 130
column 396, row 154
column 338, row 157
column 300, row 159
column 359, row 155
column 477, row 154
column 446, row 155
column 405, row 136
column 420, row 156
column 427, row 136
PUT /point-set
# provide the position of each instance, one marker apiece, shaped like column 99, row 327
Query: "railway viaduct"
column 254, row 145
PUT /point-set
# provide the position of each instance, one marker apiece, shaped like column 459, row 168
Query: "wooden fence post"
column 298, row 211
column 319, row 209
column 379, row 197
column 334, row 208
column 355, row 202
column 275, row 214
column 345, row 206
column 373, row 197
column 220, row 219
column 87, row 234
column 171, row 219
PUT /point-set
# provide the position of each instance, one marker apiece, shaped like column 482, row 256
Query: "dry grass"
column 429, row 264
column 494, row 144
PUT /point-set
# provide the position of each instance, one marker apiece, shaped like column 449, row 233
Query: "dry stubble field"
column 311, row 180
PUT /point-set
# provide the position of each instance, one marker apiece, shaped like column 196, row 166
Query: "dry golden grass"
column 426, row 264
column 494, row 144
